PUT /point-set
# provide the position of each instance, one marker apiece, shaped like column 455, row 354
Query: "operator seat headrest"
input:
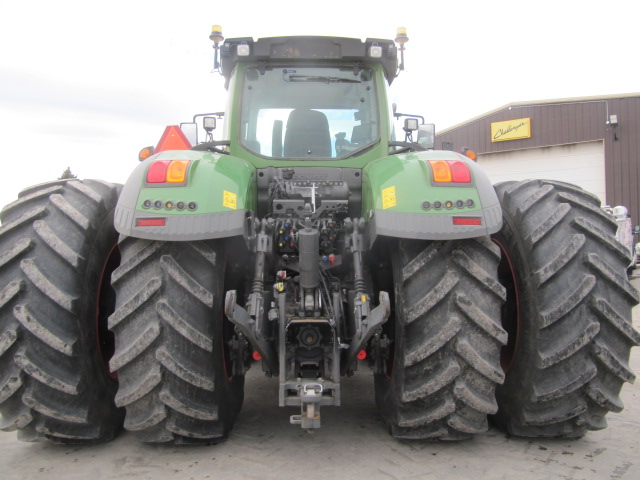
column 307, row 135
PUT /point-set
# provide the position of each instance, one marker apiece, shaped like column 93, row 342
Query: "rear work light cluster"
column 168, row 171
column 450, row 171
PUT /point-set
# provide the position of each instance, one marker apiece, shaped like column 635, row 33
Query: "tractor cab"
column 308, row 98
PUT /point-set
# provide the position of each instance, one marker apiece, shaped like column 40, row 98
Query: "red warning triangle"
column 172, row 139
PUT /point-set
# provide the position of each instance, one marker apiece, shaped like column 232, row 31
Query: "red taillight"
column 460, row 172
column 450, row 171
column 167, row 171
column 467, row 221
column 157, row 172
column 151, row 222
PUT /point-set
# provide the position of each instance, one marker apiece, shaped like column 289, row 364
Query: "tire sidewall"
column 516, row 384
column 106, row 240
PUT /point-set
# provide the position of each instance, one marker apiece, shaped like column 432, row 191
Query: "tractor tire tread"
column 447, row 304
column 52, row 381
column 576, row 311
column 168, row 298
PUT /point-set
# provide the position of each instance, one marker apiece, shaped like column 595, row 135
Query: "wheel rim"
column 510, row 313
column 105, row 306
column 390, row 359
column 227, row 335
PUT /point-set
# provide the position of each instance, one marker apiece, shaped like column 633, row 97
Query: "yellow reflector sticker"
column 230, row 200
column 388, row 197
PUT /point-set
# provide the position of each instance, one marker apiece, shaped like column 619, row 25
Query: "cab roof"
column 309, row 50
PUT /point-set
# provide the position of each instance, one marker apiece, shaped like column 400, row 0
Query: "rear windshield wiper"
column 318, row 78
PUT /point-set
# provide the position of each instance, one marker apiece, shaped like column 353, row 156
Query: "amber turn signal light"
column 145, row 153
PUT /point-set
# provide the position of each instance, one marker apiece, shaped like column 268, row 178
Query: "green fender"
column 218, row 194
column 400, row 199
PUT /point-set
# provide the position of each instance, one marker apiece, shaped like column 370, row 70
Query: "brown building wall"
column 622, row 154
column 568, row 121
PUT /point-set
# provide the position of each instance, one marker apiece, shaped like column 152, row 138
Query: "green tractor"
column 307, row 242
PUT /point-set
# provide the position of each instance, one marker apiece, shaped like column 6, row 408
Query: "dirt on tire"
column 568, row 311
column 168, row 326
column 446, row 339
column 56, row 240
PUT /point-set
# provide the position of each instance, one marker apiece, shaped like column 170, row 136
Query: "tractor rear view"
column 309, row 241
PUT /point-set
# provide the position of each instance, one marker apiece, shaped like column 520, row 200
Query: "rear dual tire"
column 442, row 368
column 568, row 311
column 57, row 250
column 171, row 334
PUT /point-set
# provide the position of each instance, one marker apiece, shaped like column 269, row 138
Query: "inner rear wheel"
column 105, row 307
column 172, row 356
column 510, row 311
column 446, row 340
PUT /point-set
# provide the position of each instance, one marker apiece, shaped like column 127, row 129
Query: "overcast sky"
column 87, row 84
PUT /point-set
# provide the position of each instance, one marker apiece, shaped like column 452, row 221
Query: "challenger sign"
column 511, row 130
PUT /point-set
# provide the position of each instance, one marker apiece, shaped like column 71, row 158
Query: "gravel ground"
column 352, row 444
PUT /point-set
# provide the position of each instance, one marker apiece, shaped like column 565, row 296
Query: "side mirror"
column 427, row 135
column 190, row 130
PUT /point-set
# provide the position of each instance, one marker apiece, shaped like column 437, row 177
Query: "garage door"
column 579, row 163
